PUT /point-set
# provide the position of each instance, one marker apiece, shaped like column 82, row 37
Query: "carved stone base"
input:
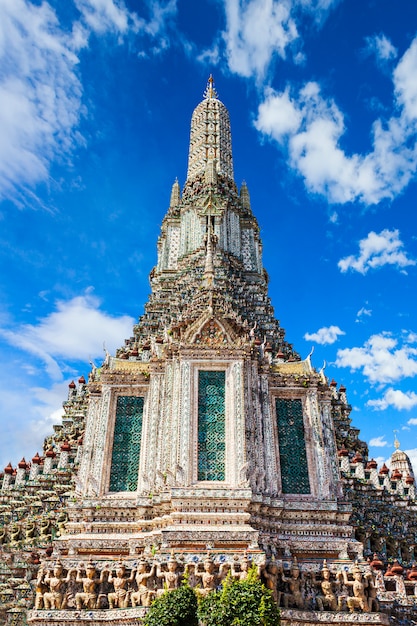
column 127, row 617
column 116, row 617
column 292, row 617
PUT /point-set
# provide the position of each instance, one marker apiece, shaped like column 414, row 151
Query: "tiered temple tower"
column 204, row 433
column 206, row 430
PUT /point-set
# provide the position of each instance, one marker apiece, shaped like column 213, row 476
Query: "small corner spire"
column 210, row 241
column 244, row 196
column 210, row 91
column 175, row 194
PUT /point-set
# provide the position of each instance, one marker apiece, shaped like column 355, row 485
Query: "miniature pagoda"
column 204, row 443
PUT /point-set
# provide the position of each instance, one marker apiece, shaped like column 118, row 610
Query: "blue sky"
column 96, row 98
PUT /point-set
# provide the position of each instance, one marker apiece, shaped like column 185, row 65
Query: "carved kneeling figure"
column 295, row 583
column 53, row 598
column 358, row 600
column 143, row 596
column 88, row 597
column 328, row 598
column 119, row 598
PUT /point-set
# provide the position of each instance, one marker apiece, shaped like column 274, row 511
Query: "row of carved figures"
column 43, row 528
column 87, row 587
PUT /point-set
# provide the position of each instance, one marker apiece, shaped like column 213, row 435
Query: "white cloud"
column 259, row 30
column 112, row 16
column 40, row 89
column 27, row 415
column 377, row 250
column 75, row 330
column 380, row 360
column 395, row 398
column 58, row 348
column 412, row 421
column 256, row 30
column 278, row 116
column 318, row 7
column 309, row 128
column 209, row 57
column 40, row 93
column 381, row 47
column 105, row 15
column 412, row 455
column 325, row 335
column 363, row 312
column 405, row 83
column 378, row 442
column 46, row 411
column 161, row 12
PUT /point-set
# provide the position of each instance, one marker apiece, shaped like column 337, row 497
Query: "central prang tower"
column 206, row 431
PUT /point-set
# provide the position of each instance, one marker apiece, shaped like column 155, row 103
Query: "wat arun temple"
column 205, row 445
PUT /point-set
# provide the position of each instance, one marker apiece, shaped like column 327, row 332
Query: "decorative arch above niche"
column 210, row 331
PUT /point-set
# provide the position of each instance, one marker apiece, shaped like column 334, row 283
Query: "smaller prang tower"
column 206, row 431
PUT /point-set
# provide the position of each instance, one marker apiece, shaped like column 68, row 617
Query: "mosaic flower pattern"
column 292, row 448
column 211, row 425
column 126, row 444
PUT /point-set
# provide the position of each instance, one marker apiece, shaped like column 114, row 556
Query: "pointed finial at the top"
column 396, row 442
column 210, row 91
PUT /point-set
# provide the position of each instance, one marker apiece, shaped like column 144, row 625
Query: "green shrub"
column 239, row 603
column 173, row 608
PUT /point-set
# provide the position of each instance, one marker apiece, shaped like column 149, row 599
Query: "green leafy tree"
column 239, row 603
column 174, row 608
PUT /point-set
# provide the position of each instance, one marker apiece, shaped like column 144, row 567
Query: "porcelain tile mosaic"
column 211, row 425
column 292, row 447
column 126, row 444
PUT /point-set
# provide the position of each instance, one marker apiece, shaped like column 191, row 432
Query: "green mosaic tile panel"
column 292, row 447
column 126, row 444
column 211, row 425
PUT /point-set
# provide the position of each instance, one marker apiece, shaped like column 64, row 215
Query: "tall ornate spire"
column 209, row 249
column 210, row 138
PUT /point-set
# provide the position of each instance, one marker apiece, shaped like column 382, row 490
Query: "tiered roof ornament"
column 400, row 461
column 210, row 91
